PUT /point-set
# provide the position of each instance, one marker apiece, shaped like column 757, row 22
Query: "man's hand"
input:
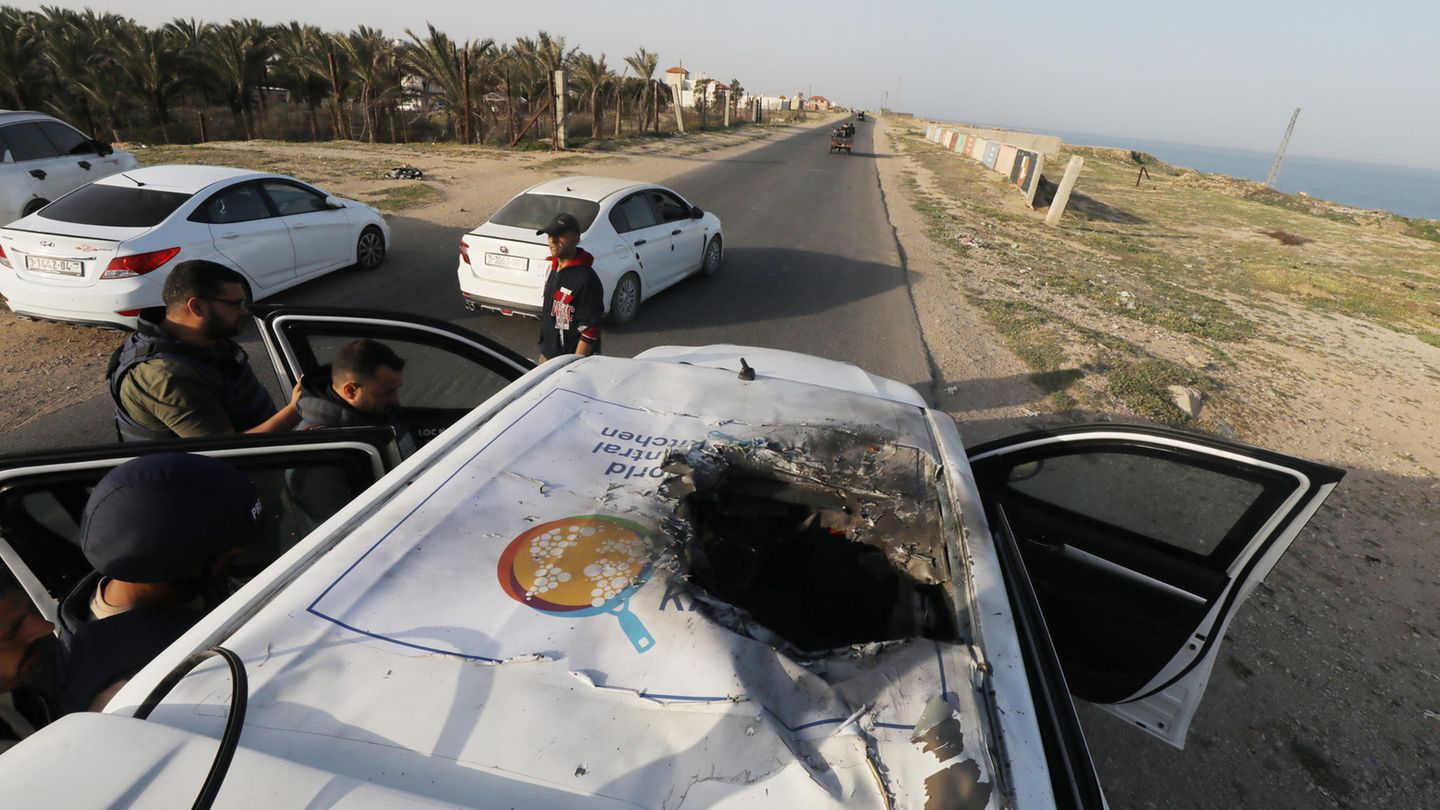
column 295, row 393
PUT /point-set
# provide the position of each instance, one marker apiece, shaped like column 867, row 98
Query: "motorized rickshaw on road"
column 842, row 138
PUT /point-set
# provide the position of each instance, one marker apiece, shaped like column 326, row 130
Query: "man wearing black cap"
column 160, row 531
column 574, row 300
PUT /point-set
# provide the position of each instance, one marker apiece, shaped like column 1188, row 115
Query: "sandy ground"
column 1327, row 690
column 47, row 366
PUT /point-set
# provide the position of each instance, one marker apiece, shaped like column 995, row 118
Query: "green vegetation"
column 1184, row 259
column 400, row 197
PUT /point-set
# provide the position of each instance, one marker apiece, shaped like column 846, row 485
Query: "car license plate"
column 64, row 267
column 508, row 262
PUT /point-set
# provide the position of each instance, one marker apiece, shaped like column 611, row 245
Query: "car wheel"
column 625, row 301
column 33, row 206
column 370, row 249
column 714, row 252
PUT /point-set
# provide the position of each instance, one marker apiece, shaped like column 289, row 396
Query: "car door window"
column 444, row 377
column 4, row 148
column 671, row 208
column 67, row 141
column 291, row 199
column 300, row 487
column 27, row 142
column 242, row 203
column 635, row 213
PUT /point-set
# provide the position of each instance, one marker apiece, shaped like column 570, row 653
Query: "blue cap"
column 152, row 519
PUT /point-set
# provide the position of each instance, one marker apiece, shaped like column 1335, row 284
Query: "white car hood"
column 424, row 654
column 784, row 365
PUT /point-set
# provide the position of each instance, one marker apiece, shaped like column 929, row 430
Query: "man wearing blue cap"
column 160, row 531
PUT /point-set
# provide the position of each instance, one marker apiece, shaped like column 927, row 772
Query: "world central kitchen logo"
column 585, row 565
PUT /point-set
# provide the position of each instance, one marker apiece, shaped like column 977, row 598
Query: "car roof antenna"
column 746, row 372
column 133, row 180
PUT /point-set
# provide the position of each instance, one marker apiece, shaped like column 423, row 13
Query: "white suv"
column 42, row 158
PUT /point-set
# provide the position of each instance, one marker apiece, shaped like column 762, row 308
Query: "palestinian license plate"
column 64, row 267
column 508, row 262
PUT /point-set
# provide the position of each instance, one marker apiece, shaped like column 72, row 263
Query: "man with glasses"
column 181, row 376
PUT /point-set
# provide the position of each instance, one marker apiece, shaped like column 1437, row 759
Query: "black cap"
column 562, row 223
column 153, row 518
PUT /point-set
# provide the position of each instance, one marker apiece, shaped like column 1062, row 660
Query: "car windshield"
column 115, row 206
column 534, row 211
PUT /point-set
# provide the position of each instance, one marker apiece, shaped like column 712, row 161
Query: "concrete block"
column 1062, row 194
column 1004, row 159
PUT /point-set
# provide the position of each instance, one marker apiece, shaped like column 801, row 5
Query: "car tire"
column 33, row 206
column 714, row 254
column 370, row 249
column 625, row 300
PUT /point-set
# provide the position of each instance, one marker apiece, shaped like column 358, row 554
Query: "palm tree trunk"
column 596, row 119
column 619, row 109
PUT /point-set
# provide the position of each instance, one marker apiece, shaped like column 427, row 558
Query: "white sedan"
column 101, row 253
column 644, row 238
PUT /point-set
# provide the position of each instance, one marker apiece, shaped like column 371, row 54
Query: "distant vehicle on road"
column 644, row 238
column 101, row 253
column 860, row 116
column 42, row 158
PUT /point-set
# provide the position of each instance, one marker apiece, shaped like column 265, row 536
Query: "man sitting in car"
column 27, row 658
column 160, row 531
column 361, row 386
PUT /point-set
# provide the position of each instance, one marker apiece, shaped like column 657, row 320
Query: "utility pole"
column 1280, row 156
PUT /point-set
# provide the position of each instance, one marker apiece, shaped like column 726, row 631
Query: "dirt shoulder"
column 47, row 366
column 1325, row 694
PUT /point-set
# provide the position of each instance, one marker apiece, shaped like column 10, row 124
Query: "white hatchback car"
column 101, row 253
column 663, row 582
column 42, row 158
column 644, row 238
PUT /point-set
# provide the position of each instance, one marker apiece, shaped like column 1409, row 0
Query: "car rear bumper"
column 473, row 301
column 98, row 304
column 521, row 296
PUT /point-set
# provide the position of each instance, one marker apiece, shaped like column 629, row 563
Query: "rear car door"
column 448, row 370
column 687, row 235
column 321, row 235
column 83, row 157
column 1141, row 543
column 248, row 231
column 303, row 478
column 647, row 237
column 50, row 173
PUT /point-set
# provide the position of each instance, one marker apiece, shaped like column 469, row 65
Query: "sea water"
column 1405, row 191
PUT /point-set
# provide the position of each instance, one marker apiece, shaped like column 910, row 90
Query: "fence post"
column 1062, row 194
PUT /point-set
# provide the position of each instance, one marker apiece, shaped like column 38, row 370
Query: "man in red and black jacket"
column 574, row 300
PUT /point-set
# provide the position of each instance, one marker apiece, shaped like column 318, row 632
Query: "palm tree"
column 302, row 68
column 20, row 53
column 644, row 63
column 436, row 60
column 152, row 65
column 68, row 54
column 370, row 56
column 239, row 51
column 735, row 93
column 593, row 75
column 702, row 98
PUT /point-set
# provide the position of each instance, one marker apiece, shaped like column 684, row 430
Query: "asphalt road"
column 811, row 265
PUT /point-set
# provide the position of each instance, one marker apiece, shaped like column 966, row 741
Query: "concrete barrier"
column 969, row 149
column 992, row 151
column 1004, row 159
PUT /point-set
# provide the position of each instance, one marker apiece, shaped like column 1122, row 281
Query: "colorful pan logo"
column 581, row 566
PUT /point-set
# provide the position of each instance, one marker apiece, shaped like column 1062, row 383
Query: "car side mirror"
column 102, row 148
column 695, row 212
column 333, row 202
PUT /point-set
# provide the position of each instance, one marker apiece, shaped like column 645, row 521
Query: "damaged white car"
column 686, row 580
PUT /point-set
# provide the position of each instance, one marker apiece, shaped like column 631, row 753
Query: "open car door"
column 1141, row 543
column 303, row 478
column 448, row 370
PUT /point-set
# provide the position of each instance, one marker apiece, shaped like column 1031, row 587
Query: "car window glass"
column 67, row 141
column 27, row 142
column 637, row 212
column 534, row 211
column 115, row 206
column 670, row 207
column 435, row 377
column 4, row 148
column 40, row 517
column 290, row 199
column 1182, row 505
column 236, row 204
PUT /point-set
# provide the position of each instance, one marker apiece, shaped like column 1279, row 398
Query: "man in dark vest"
column 361, row 386
column 160, row 531
column 181, row 376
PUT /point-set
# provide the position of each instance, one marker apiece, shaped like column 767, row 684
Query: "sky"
column 1225, row 73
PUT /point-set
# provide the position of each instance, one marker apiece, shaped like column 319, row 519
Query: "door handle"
column 37, row 174
column 229, row 236
column 85, row 164
column 298, row 225
column 639, row 242
column 675, row 232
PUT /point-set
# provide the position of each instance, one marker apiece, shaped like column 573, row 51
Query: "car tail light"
column 4, row 260
column 138, row 264
column 128, row 313
column 464, row 252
